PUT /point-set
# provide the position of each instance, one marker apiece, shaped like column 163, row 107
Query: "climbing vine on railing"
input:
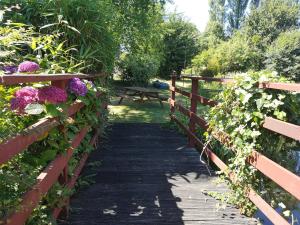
column 237, row 120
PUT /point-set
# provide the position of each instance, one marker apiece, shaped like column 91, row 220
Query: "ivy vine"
column 237, row 122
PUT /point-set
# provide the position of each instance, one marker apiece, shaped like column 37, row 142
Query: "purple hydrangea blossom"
column 24, row 97
column 77, row 87
column 52, row 95
column 28, row 66
column 10, row 69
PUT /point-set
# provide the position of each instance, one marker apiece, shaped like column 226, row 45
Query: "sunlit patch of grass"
column 137, row 112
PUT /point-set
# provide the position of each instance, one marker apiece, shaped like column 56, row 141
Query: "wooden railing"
column 283, row 177
column 57, row 170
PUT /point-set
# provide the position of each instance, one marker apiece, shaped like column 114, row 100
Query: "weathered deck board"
column 147, row 176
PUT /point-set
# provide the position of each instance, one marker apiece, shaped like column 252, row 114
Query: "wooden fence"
column 57, row 170
column 283, row 177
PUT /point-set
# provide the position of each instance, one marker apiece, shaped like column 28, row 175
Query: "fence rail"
column 57, row 170
column 283, row 177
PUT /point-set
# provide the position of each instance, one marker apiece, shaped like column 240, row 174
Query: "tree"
column 180, row 45
column 142, row 52
column 217, row 11
column 236, row 13
column 283, row 55
column 273, row 17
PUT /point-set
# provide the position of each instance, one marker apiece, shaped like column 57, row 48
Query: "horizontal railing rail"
column 57, row 170
column 283, row 177
column 33, row 78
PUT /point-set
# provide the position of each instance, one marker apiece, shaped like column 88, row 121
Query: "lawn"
column 151, row 111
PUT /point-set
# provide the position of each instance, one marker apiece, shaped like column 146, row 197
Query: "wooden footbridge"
column 147, row 175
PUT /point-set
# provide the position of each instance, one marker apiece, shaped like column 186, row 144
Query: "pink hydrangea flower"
column 28, row 66
column 24, row 97
column 27, row 91
column 52, row 95
column 77, row 87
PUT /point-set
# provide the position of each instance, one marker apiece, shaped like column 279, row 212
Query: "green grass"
column 151, row 111
column 136, row 112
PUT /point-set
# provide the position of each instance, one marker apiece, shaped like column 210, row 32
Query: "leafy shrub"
column 237, row 54
column 138, row 69
column 233, row 55
column 20, row 42
column 283, row 55
column 84, row 24
column 206, row 64
column 180, row 45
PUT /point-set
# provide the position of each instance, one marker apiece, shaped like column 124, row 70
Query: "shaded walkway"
column 147, row 176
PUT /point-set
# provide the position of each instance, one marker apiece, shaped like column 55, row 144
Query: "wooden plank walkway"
column 147, row 176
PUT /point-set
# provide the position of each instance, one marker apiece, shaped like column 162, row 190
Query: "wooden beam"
column 284, row 128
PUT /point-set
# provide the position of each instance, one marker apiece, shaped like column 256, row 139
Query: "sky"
column 194, row 10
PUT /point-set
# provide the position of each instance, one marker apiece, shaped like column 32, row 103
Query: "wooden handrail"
column 45, row 181
column 284, row 128
column 253, row 196
column 283, row 177
column 59, row 166
column 295, row 87
column 18, row 143
column 33, row 78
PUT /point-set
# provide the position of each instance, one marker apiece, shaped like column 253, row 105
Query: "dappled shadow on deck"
column 147, row 176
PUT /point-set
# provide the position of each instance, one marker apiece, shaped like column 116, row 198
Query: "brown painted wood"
column 281, row 86
column 71, row 183
column 209, row 79
column 281, row 127
column 18, row 143
column 283, row 177
column 276, row 218
column 173, row 93
column 198, row 120
column 44, row 182
column 193, row 109
column 180, row 91
column 206, row 101
column 33, row 78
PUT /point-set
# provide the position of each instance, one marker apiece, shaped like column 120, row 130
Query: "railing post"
column 64, row 177
column 193, row 108
column 173, row 84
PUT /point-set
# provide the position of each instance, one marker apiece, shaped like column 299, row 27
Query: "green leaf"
column 73, row 29
column 48, row 25
column 258, row 114
column 34, row 109
column 48, row 155
column 52, row 110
